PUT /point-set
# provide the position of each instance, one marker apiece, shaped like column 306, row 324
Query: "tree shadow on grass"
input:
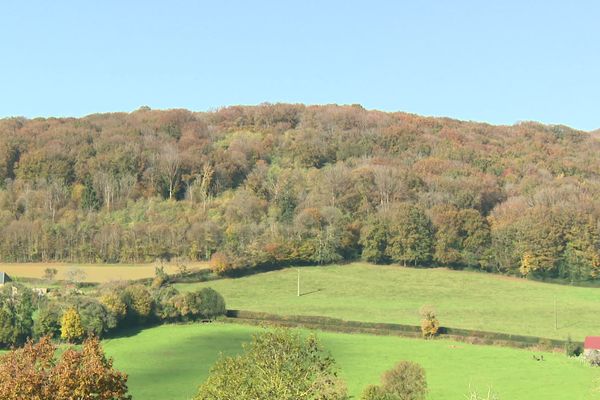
column 311, row 292
column 129, row 331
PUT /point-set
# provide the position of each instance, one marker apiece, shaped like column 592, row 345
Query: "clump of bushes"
column 429, row 322
column 75, row 317
column 572, row 349
column 406, row 381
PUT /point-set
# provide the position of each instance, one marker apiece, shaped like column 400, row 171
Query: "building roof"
column 4, row 278
column 592, row 342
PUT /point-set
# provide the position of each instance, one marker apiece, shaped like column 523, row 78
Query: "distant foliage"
column 281, row 184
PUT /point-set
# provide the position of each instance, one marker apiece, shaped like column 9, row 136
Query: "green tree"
column 279, row 364
column 406, row 381
column 48, row 321
column 373, row 239
column 140, row 303
column 16, row 315
column 410, row 235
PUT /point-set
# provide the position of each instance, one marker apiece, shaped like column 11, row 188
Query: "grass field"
column 93, row 272
column 170, row 361
column 394, row 294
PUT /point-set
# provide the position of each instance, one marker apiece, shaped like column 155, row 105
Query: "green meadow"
column 394, row 294
column 169, row 362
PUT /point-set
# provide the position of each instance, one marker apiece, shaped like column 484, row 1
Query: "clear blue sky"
column 500, row 62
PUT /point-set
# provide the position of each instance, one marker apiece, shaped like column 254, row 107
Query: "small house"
column 4, row 278
column 591, row 345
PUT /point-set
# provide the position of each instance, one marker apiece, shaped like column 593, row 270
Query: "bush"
column 220, row 263
column 572, row 349
column 212, row 304
column 165, row 304
column 593, row 357
column 406, row 381
column 429, row 322
column 205, row 303
column 373, row 392
column 115, row 304
column 139, row 303
column 95, row 318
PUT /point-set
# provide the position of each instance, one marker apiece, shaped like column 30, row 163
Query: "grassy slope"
column 394, row 294
column 168, row 362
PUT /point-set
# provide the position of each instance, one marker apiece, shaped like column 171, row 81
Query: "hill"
column 372, row 293
column 294, row 184
column 169, row 362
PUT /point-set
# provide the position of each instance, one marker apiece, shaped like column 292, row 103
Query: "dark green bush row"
column 339, row 325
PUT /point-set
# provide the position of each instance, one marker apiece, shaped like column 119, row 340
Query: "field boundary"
column 389, row 329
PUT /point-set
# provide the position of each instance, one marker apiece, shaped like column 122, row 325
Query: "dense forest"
column 279, row 184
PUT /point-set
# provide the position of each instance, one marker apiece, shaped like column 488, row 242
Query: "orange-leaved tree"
column 33, row 372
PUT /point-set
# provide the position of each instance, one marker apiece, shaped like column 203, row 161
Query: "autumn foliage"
column 281, row 184
column 35, row 373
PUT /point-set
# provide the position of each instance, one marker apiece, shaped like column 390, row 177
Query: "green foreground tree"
column 279, row 364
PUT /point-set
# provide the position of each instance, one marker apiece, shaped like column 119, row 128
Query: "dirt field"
column 92, row 272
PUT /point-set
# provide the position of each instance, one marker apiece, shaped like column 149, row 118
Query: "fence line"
column 339, row 325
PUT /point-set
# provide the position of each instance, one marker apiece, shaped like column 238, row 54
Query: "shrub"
column 115, row 304
column 95, row 318
column 373, row 392
column 406, row 381
column 593, row 357
column 429, row 322
column 139, row 303
column 220, row 263
column 572, row 349
column 165, row 308
column 212, row 304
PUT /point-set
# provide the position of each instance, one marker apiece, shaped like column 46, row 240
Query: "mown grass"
column 92, row 272
column 372, row 293
column 170, row 361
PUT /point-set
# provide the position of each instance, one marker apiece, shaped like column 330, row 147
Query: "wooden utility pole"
column 555, row 316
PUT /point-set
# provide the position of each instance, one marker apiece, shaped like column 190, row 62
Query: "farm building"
column 4, row 278
column 591, row 345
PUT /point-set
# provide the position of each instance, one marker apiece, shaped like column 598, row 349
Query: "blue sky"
column 499, row 62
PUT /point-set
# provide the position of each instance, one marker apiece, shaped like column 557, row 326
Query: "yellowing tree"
column 526, row 264
column 115, row 304
column 71, row 328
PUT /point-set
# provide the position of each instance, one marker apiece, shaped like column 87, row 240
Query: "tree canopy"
column 279, row 184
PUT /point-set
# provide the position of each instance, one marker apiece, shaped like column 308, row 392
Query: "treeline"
column 286, row 184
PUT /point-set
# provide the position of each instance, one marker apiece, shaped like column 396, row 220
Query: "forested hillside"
column 284, row 184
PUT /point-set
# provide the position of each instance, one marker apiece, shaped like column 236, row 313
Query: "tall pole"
column 555, row 316
column 298, row 269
